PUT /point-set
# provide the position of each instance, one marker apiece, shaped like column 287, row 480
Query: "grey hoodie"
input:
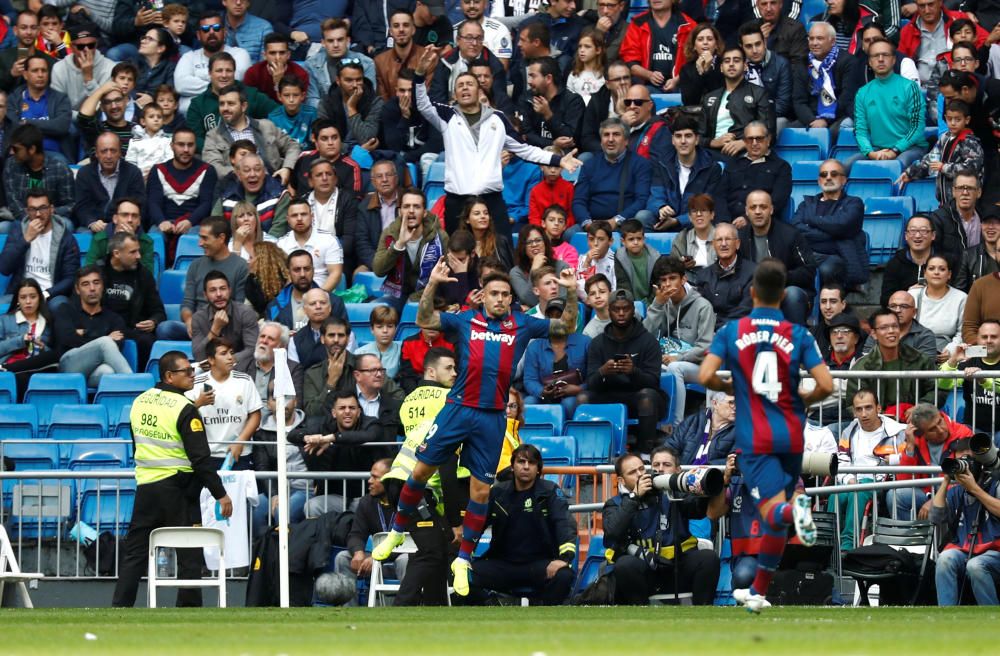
column 693, row 320
column 625, row 272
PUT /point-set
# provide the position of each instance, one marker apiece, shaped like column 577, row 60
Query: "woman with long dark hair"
column 476, row 219
column 701, row 73
column 155, row 61
column 533, row 251
column 847, row 18
column 26, row 334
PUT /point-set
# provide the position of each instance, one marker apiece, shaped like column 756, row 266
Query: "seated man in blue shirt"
column 613, row 186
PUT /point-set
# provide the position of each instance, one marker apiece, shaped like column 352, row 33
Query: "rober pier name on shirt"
column 764, row 337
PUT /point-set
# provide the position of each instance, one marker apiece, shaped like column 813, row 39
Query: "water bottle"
column 165, row 563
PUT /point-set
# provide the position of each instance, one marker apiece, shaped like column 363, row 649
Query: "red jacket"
column 543, row 194
column 637, row 46
column 415, row 348
column 909, row 36
column 258, row 77
column 922, row 457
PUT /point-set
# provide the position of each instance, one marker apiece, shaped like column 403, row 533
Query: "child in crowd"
column 52, row 40
column 384, row 320
column 634, row 262
column 554, row 224
column 175, row 19
column 150, row 145
column 552, row 190
column 956, row 150
column 167, row 99
column 599, row 257
column 591, row 61
column 124, row 75
column 293, row 116
column 598, row 289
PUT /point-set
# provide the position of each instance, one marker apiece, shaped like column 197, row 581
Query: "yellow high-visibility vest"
column 159, row 448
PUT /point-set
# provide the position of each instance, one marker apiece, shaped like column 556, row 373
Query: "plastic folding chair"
column 45, row 391
column 378, row 585
column 186, row 537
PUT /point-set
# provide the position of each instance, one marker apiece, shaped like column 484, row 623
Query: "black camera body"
column 965, row 465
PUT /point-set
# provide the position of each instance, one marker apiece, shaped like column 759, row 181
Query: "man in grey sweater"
column 687, row 319
column 219, row 316
column 214, row 234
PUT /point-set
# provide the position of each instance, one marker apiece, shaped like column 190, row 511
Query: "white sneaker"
column 802, row 515
column 754, row 603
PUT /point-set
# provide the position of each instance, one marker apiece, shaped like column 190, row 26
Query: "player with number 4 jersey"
column 764, row 353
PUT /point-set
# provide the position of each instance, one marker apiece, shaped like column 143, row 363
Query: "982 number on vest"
column 148, row 420
column 764, row 378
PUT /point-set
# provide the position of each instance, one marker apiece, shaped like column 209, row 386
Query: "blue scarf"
column 822, row 84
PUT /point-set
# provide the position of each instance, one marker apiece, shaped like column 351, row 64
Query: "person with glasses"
column 29, row 167
column 378, row 395
column 758, row 168
column 469, row 38
column 983, row 258
column 693, row 245
column 890, row 354
column 231, row 407
column 843, row 336
column 110, row 102
column 905, row 66
column 156, row 61
column 905, row 268
column 912, row 332
column 726, row 284
column 172, row 465
column 496, row 35
column 79, row 75
column 646, row 135
column 958, row 223
column 925, row 36
column 191, row 75
column 41, row 246
column 607, row 102
column 889, row 112
column 353, row 105
column 832, row 224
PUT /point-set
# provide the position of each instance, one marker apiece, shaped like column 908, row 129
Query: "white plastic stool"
column 377, row 584
column 186, row 537
column 10, row 572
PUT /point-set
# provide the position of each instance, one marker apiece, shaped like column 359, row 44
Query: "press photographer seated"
column 645, row 528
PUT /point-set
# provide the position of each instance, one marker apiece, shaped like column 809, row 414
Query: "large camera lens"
column 954, row 466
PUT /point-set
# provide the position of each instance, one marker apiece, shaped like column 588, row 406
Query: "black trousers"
column 426, row 580
column 698, row 573
column 455, row 203
column 170, row 502
column 506, row 577
column 47, row 360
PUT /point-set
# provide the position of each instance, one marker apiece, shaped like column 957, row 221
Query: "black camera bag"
column 796, row 587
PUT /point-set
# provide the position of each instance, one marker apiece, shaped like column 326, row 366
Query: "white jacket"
column 882, row 448
column 146, row 151
column 471, row 165
column 191, row 72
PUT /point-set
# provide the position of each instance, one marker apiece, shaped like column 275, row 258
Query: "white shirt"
column 241, row 486
column 683, row 174
column 39, row 262
column 235, row 399
column 325, row 215
column 191, row 73
column 324, row 248
column 244, row 253
column 701, row 252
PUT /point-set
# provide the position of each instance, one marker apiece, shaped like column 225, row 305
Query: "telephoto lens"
column 984, row 450
column 700, row 482
column 819, row 464
column 955, row 466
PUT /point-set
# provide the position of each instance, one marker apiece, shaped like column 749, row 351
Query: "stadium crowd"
column 293, row 137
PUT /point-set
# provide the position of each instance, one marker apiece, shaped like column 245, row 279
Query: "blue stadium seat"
column 77, row 422
column 663, row 101
column 37, row 455
column 188, row 251
column 121, row 429
column 45, row 391
column 869, row 178
column 83, row 240
column 543, row 416
column 117, row 391
column 806, row 171
column 615, row 413
column 661, row 241
column 809, row 9
column 159, row 253
column 847, row 145
column 557, row 450
column 162, row 346
column 954, row 405
column 172, row 286
column 84, row 457
column 592, row 565
column 19, row 422
column 359, row 314
column 599, row 430
column 8, row 387
column 106, row 504
column 434, row 184
column 923, row 194
column 884, row 221
column 371, row 282
column 130, row 351
column 804, row 182
column 803, row 144
column 173, row 311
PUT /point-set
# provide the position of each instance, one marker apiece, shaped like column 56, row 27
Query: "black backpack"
column 102, row 560
column 599, row 593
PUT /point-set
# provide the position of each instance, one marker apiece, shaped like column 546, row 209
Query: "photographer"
column 644, row 527
column 970, row 514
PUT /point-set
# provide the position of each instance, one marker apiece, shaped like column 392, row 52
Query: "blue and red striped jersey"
column 764, row 352
column 488, row 350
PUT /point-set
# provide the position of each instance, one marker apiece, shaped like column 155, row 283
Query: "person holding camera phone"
column 764, row 353
column 968, row 503
column 980, row 395
column 647, row 530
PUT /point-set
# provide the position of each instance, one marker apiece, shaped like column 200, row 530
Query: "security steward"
column 437, row 529
column 534, row 539
column 172, row 465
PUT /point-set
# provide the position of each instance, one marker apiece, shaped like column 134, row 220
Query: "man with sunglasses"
column 647, row 135
column 831, row 222
column 172, row 464
column 191, row 76
column 80, row 75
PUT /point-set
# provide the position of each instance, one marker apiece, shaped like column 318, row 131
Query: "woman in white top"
column 591, row 61
column 939, row 305
column 245, row 222
column 693, row 245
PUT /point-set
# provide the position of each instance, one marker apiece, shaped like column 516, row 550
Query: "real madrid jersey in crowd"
column 324, row 248
column 235, row 398
column 241, row 486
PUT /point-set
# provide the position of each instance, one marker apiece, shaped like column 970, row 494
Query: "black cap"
column 847, row 320
column 436, row 7
column 555, row 305
column 621, row 295
column 992, row 214
column 84, row 31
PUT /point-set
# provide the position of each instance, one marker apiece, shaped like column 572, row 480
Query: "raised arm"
column 427, row 316
column 567, row 324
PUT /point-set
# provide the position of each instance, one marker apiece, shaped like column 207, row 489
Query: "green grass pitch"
column 508, row 631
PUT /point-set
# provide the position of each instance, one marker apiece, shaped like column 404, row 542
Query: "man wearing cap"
column 433, row 26
column 982, row 259
column 832, row 300
column 623, row 366
column 87, row 69
column 843, row 334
